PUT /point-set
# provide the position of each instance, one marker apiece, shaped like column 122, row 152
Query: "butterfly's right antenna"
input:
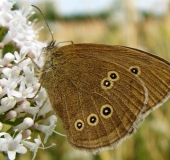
column 46, row 23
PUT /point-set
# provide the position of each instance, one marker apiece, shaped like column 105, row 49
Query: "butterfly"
column 103, row 92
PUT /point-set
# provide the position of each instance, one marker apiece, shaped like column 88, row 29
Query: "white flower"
column 5, row 6
column 24, row 104
column 19, row 56
column 33, row 146
column 9, row 57
column 5, row 9
column 9, row 85
column 7, row 103
column 11, row 146
column 27, row 92
column 45, row 108
column 19, row 83
column 32, row 110
column 47, row 130
column 27, row 122
column 11, row 114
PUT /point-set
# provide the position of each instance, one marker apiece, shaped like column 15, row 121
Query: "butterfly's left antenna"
column 45, row 22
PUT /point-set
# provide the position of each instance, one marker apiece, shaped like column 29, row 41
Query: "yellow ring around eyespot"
column 90, row 123
column 106, row 87
column 111, row 72
column 137, row 67
column 79, row 121
column 104, row 106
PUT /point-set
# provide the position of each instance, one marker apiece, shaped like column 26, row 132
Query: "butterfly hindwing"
column 97, row 110
column 101, row 92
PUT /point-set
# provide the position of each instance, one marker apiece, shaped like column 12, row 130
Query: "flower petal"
column 21, row 149
column 11, row 155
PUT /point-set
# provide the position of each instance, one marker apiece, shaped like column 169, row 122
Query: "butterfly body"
column 101, row 92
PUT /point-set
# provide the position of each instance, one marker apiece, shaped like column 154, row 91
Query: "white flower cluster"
column 19, row 107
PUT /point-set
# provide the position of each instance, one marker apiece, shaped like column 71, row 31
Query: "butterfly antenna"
column 45, row 22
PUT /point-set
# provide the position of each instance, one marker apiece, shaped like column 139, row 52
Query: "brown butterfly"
column 101, row 92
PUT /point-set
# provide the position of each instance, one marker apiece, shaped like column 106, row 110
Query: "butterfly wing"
column 98, row 97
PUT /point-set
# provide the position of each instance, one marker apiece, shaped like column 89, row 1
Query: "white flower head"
column 23, row 101
column 33, row 147
column 11, row 145
column 7, row 103
column 47, row 130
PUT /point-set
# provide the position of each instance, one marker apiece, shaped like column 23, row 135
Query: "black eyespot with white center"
column 106, row 111
column 135, row 70
column 92, row 119
column 106, row 83
column 79, row 125
column 113, row 76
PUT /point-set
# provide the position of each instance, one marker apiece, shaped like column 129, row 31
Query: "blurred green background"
column 121, row 24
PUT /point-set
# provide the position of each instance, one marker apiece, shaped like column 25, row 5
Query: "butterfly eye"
column 106, row 83
column 113, row 75
column 79, row 125
column 135, row 70
column 92, row 119
column 106, row 111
